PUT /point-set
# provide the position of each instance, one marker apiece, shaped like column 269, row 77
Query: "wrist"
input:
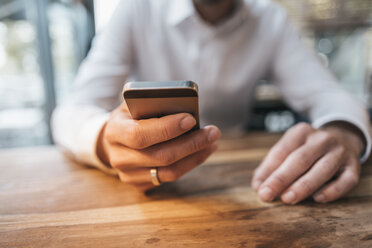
column 354, row 136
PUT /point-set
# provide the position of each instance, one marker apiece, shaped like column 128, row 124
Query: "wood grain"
column 50, row 201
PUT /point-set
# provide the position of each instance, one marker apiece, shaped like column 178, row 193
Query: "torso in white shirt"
column 225, row 60
column 157, row 40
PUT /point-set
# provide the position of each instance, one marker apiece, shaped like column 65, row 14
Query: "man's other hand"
column 322, row 163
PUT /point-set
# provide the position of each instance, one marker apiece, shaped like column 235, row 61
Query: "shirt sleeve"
column 308, row 87
column 77, row 122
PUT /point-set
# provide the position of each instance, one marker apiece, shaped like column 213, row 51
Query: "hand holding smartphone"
column 147, row 139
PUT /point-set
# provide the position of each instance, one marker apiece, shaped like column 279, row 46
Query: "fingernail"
column 289, row 197
column 213, row 135
column 187, row 123
column 256, row 184
column 319, row 197
column 266, row 194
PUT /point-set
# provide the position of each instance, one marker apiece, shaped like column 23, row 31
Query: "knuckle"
column 171, row 175
column 116, row 159
column 198, row 143
column 195, row 145
column 162, row 157
column 330, row 167
column 342, row 150
column 303, row 127
column 134, row 137
column 115, row 162
column 301, row 159
column 279, row 181
column 279, row 152
column 125, row 178
column 327, row 138
column 353, row 179
column 305, row 187
column 165, row 132
column 109, row 132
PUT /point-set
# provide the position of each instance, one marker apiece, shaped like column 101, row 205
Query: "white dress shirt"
column 160, row 40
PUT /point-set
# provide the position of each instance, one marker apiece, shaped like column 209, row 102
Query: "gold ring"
column 154, row 176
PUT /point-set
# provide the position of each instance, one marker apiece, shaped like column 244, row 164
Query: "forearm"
column 309, row 88
column 76, row 130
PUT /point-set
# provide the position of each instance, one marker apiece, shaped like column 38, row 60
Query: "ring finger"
column 169, row 173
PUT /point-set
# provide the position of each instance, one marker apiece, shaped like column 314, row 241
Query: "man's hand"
column 134, row 147
column 305, row 160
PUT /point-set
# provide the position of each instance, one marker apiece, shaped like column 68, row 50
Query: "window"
column 42, row 43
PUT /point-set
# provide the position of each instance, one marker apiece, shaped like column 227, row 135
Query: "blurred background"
column 42, row 43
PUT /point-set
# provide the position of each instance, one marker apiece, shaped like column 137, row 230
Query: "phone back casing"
column 144, row 103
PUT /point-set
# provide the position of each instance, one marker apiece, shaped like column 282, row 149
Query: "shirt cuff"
column 365, row 129
column 87, row 142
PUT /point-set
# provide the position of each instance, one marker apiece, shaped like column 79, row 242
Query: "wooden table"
column 48, row 201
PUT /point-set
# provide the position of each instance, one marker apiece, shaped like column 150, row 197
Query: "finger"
column 294, row 166
column 348, row 179
column 170, row 173
column 139, row 134
column 322, row 171
column 166, row 153
column 292, row 139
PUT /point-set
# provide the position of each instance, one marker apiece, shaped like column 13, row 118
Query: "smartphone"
column 156, row 99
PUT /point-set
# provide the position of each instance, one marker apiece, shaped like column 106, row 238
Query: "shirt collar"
column 180, row 10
